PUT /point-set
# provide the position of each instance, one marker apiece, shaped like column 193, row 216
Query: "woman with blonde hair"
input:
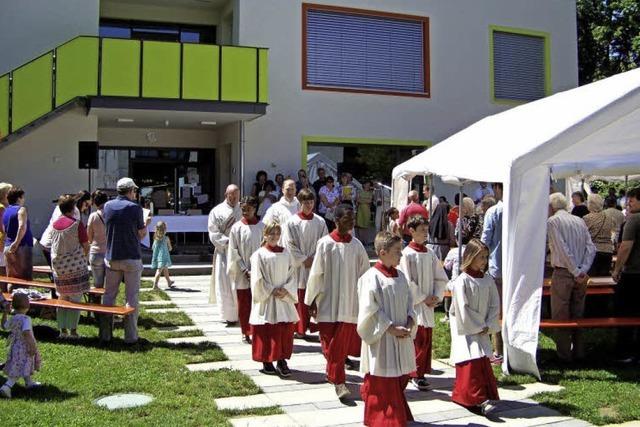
column 601, row 227
column 4, row 191
column 474, row 314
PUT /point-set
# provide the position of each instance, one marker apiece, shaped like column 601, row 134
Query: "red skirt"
column 272, row 342
column 475, row 383
column 338, row 340
column 304, row 323
column 244, row 310
column 422, row 345
column 385, row 404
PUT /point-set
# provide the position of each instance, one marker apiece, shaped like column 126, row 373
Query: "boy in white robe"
column 386, row 322
column 273, row 314
column 300, row 235
column 427, row 280
column 244, row 239
column 221, row 219
column 332, row 295
column 474, row 314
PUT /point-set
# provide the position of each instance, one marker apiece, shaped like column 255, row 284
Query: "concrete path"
column 308, row 400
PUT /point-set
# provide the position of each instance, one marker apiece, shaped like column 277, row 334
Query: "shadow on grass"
column 42, row 393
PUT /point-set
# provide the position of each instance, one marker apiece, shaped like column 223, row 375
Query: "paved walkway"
column 308, row 400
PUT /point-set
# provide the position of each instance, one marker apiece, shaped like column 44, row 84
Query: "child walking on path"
column 23, row 357
column 161, row 259
column 244, row 239
column 475, row 309
column 427, row 280
column 386, row 322
column 273, row 315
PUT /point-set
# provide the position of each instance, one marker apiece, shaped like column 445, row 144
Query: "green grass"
column 75, row 373
column 596, row 390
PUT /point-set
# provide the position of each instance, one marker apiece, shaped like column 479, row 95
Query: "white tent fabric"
column 593, row 129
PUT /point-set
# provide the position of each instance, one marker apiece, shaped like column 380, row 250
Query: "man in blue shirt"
column 125, row 228
column 492, row 237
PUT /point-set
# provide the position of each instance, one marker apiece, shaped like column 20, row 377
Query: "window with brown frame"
column 354, row 50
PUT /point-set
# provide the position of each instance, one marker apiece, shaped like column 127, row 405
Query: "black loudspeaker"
column 88, row 154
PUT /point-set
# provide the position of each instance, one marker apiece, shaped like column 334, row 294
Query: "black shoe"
column 268, row 369
column 231, row 324
column 350, row 364
column 625, row 360
column 246, row 339
column 283, row 369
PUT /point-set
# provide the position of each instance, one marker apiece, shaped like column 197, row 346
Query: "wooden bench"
column 44, row 285
column 594, row 322
column 80, row 306
column 43, row 269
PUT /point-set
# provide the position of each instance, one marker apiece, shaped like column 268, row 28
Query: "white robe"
column 475, row 305
column 244, row 240
column 281, row 211
column 271, row 270
column 300, row 237
column 426, row 278
column 385, row 301
column 221, row 219
column 333, row 279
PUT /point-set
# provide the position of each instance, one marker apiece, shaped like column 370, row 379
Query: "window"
column 520, row 65
column 364, row 51
column 140, row 30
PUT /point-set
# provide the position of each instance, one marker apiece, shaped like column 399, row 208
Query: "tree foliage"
column 608, row 38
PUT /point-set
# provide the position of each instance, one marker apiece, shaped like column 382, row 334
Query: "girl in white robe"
column 244, row 239
column 474, row 314
column 300, row 236
column 427, row 280
column 386, row 323
column 273, row 314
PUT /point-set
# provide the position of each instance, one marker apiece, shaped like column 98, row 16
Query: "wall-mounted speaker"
column 88, row 154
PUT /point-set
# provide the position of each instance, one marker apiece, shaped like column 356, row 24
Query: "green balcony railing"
column 92, row 66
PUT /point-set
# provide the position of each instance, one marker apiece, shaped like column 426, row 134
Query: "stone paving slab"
column 309, row 401
column 158, row 302
column 164, row 310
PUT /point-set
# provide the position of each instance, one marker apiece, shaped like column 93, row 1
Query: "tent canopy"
column 589, row 130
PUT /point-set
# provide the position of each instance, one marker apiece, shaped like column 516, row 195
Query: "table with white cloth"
column 178, row 224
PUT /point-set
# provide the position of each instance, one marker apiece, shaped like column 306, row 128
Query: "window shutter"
column 518, row 66
column 364, row 52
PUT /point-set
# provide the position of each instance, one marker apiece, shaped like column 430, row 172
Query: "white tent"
column 593, row 129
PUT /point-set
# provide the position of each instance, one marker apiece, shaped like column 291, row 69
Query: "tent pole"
column 460, row 230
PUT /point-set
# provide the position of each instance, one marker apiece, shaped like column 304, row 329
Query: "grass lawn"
column 596, row 390
column 74, row 373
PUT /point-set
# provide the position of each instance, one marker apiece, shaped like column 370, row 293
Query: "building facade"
column 187, row 96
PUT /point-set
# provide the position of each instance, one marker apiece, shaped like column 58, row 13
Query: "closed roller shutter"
column 518, row 66
column 364, row 52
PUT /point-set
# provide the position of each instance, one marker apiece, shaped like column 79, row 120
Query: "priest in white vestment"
column 244, row 239
column 332, row 295
column 221, row 219
column 286, row 207
column 386, row 323
column 300, row 236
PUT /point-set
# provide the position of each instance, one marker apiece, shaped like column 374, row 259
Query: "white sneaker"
column 342, row 391
column 33, row 384
column 487, row 407
column 5, row 391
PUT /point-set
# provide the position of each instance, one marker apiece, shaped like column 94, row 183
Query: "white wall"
column 32, row 27
column 459, row 57
column 45, row 163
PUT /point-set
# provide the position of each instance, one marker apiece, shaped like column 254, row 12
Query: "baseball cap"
column 126, row 184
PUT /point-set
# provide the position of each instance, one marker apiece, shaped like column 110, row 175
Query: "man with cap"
column 125, row 228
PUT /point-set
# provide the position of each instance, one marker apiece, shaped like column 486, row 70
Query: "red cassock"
column 271, row 343
column 244, row 310
column 385, row 404
column 304, row 323
column 338, row 340
column 475, row 383
column 422, row 344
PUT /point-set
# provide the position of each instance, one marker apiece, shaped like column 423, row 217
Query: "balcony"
column 119, row 73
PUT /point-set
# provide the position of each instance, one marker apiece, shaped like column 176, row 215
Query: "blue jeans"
column 97, row 269
column 129, row 271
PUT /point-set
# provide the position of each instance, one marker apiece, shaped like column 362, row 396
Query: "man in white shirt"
column 572, row 253
column 287, row 206
column 221, row 219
